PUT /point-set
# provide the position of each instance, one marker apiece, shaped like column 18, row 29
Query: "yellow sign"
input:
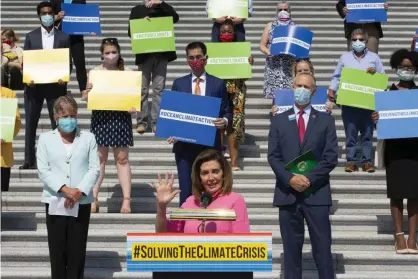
column 199, row 252
column 46, row 65
column 115, row 90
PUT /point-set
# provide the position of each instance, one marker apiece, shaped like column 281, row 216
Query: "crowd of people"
column 71, row 162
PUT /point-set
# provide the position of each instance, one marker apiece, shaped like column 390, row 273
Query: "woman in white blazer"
column 68, row 165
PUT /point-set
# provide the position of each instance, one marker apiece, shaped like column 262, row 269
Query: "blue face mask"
column 302, row 96
column 67, row 125
column 405, row 75
column 358, row 46
column 47, row 20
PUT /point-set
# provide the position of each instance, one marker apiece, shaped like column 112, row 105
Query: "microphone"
column 206, row 199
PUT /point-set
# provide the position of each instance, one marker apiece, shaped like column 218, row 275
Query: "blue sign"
column 285, row 99
column 81, row 19
column 398, row 114
column 361, row 11
column 292, row 40
column 188, row 118
column 416, row 42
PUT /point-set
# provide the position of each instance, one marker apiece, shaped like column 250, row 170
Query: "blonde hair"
column 204, row 157
column 9, row 33
column 296, row 63
column 65, row 103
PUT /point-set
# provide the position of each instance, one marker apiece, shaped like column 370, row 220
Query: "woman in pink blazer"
column 211, row 173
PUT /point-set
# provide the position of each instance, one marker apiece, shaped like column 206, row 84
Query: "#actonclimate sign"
column 291, row 40
column 361, row 11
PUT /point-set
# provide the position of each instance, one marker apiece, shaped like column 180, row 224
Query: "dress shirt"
column 47, row 38
column 250, row 7
column 349, row 60
column 305, row 115
column 202, row 86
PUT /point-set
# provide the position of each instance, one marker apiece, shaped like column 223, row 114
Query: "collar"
column 202, row 77
column 364, row 54
column 307, row 109
column 44, row 32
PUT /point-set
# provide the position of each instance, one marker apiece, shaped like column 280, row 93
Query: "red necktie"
column 301, row 126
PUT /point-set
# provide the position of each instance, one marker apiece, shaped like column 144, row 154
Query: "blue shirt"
column 349, row 60
column 250, row 7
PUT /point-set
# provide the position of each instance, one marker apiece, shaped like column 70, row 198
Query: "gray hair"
column 282, row 3
column 307, row 75
column 65, row 103
column 360, row 31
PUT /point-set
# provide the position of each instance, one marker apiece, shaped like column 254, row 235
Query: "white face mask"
column 283, row 16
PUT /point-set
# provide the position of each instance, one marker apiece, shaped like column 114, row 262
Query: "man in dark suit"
column 374, row 30
column 44, row 37
column 292, row 133
column 152, row 65
column 76, row 43
column 203, row 84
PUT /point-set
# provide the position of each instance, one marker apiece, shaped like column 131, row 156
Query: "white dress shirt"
column 47, row 38
column 305, row 115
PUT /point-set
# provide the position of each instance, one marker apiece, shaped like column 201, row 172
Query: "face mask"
column 47, row 20
column 302, row 96
column 111, row 59
column 9, row 42
column 197, row 65
column 226, row 38
column 67, row 125
column 405, row 75
column 358, row 46
column 283, row 16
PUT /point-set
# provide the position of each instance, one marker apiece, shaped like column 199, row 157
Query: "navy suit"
column 186, row 153
column 284, row 146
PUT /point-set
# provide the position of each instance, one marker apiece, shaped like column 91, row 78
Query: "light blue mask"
column 47, row 20
column 358, row 46
column 405, row 75
column 302, row 96
column 67, row 125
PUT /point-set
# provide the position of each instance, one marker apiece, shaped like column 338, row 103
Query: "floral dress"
column 236, row 92
column 278, row 69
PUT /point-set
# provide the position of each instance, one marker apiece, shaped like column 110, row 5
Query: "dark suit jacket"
column 161, row 10
column 33, row 41
column 215, row 87
column 284, row 146
column 56, row 7
column 350, row 27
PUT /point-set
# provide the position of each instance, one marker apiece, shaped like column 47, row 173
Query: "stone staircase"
column 362, row 241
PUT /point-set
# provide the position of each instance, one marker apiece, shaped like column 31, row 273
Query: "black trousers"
column 5, row 179
column 77, row 52
column 67, row 241
column 34, row 98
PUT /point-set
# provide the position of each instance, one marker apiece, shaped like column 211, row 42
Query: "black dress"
column 401, row 161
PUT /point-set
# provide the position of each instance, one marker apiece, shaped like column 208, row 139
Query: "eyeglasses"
column 354, row 40
column 110, row 40
column 407, row 68
column 281, row 10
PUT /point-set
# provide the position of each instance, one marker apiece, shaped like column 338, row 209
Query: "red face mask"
column 7, row 42
column 226, row 38
column 197, row 65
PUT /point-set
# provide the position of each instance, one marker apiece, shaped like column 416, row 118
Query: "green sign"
column 8, row 108
column 229, row 60
column 221, row 8
column 357, row 88
column 303, row 164
column 152, row 35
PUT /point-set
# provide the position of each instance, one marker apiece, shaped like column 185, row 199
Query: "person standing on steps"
column 152, row 65
column 113, row 129
column 400, row 158
column 293, row 133
column 76, row 43
column 238, row 23
column 202, row 84
column 374, row 29
column 44, row 37
column 357, row 119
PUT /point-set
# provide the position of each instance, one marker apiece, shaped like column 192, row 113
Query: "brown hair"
column 64, row 103
column 204, row 157
column 9, row 33
column 113, row 42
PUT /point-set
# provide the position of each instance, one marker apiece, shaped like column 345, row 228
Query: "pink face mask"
column 111, row 58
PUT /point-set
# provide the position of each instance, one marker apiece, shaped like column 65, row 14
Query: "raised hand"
column 164, row 188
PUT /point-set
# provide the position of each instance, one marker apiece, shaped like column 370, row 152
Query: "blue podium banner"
column 398, row 114
column 188, row 118
column 292, row 40
column 361, row 11
column 81, row 19
column 285, row 99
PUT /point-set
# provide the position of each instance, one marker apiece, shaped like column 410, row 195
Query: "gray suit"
column 34, row 96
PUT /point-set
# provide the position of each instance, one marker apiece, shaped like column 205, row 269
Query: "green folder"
column 303, row 164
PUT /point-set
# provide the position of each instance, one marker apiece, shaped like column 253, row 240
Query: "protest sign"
column 221, row 8
column 8, row 108
column 285, row 99
column 81, row 19
column 292, row 40
column 362, row 11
